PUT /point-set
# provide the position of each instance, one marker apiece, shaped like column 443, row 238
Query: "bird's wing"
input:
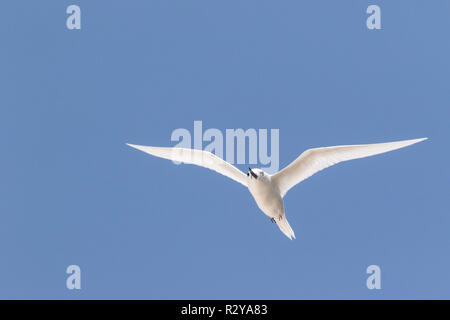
column 314, row 160
column 198, row 157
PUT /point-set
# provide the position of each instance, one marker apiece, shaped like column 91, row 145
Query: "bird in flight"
column 268, row 190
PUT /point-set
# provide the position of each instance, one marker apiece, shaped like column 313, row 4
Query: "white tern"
column 268, row 190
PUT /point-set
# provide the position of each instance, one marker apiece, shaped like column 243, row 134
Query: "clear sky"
column 140, row 227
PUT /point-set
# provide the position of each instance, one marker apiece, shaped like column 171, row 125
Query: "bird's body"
column 266, row 194
column 269, row 190
column 268, row 198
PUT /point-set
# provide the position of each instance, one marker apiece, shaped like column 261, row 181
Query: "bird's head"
column 255, row 173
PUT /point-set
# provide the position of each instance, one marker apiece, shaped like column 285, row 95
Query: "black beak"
column 252, row 173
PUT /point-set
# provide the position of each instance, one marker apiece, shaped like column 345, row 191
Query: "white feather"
column 197, row 157
column 314, row 160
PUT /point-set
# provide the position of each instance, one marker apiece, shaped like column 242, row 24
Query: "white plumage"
column 269, row 190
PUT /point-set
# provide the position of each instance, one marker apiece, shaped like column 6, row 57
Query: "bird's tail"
column 284, row 226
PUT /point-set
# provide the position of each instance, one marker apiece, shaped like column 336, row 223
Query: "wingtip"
column 414, row 141
column 132, row 145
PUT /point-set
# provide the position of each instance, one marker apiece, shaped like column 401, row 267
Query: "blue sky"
column 72, row 192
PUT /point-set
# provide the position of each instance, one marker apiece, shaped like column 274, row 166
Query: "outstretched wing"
column 314, row 160
column 198, row 157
